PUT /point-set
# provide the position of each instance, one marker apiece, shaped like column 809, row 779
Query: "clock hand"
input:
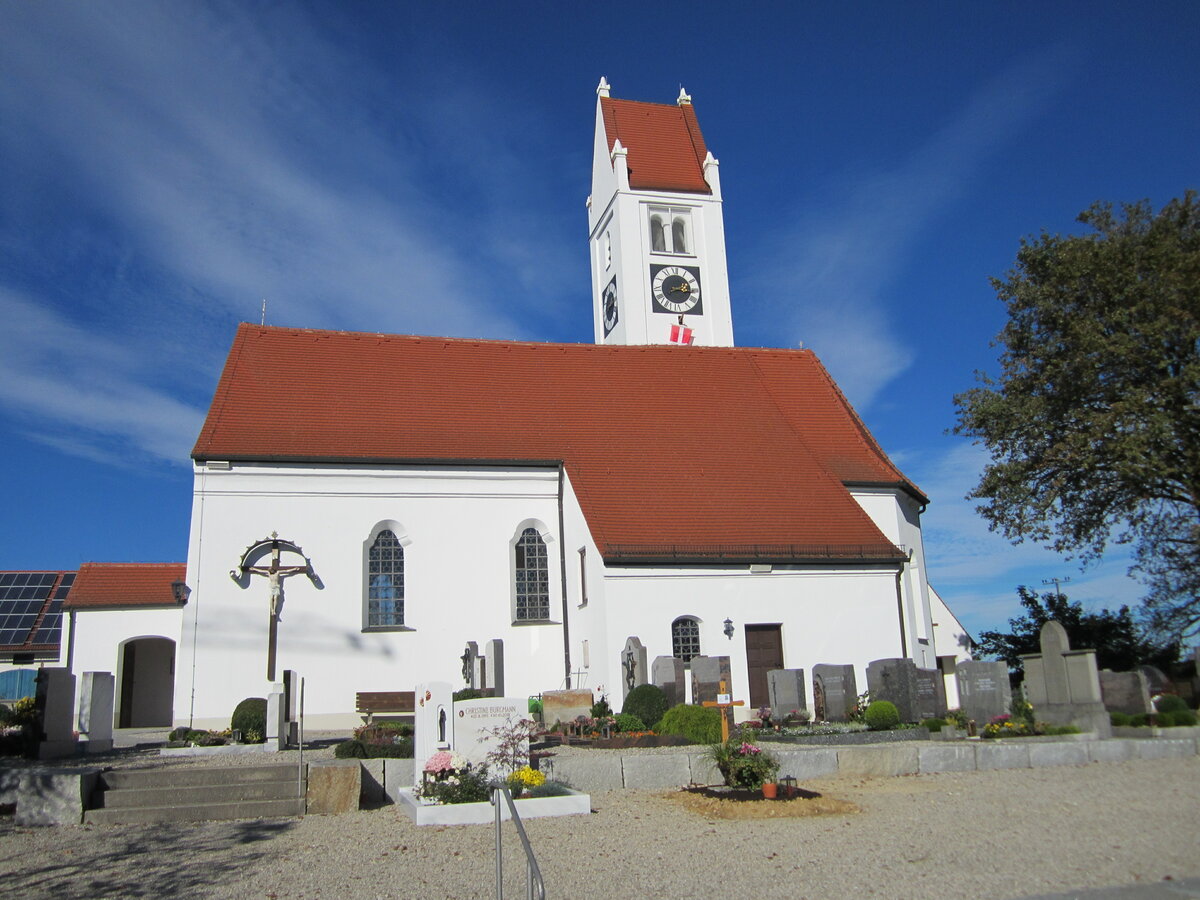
column 681, row 287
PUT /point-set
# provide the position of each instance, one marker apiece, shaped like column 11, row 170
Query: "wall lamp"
column 729, row 629
column 180, row 591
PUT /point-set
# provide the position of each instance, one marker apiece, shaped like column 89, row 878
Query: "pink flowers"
column 444, row 763
column 748, row 749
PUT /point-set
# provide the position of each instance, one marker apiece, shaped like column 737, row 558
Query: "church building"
column 367, row 504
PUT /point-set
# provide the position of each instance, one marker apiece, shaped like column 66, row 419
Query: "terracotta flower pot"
column 769, row 790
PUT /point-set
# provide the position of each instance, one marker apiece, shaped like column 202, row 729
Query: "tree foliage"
column 1119, row 643
column 1092, row 425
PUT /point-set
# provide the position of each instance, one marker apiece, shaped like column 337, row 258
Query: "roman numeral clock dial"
column 675, row 289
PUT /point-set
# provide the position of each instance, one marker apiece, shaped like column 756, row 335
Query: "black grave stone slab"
column 834, row 692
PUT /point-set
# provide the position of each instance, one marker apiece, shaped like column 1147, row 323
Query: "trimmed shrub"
column 350, row 750
column 1141, row 720
column 701, row 724
column 1118, row 719
column 881, row 715
column 1165, row 720
column 630, row 722
column 467, row 694
column 1169, row 703
column 1184, row 718
column 647, row 702
column 935, row 724
column 250, row 716
column 601, row 709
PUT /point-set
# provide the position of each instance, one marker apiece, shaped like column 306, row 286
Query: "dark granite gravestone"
column 668, row 673
column 1125, row 692
column 895, row 680
column 633, row 666
column 707, row 674
column 834, row 692
column 931, row 694
column 983, row 689
column 786, row 689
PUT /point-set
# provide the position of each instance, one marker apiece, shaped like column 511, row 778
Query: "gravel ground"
column 1012, row 833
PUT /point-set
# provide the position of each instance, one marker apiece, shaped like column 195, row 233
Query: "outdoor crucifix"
column 725, row 703
column 275, row 573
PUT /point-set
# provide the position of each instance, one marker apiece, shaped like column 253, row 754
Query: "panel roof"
column 666, row 148
column 124, row 585
column 673, row 453
column 31, row 612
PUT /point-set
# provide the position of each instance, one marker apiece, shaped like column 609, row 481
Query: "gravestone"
column 707, row 674
column 1157, row 681
column 474, row 721
column 668, row 673
column 565, row 706
column 96, row 696
column 432, row 720
column 1064, row 685
column 983, row 689
column 1125, row 692
column 895, row 680
column 786, row 689
column 471, row 672
column 493, row 667
column 56, row 710
column 835, row 691
column 291, row 703
column 277, row 726
column 633, row 666
column 931, row 694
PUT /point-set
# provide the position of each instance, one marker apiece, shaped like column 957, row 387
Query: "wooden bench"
column 368, row 703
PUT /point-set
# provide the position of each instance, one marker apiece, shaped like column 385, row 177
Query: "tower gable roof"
column 666, row 148
column 673, row 453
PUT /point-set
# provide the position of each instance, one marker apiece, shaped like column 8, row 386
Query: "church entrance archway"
column 147, row 683
column 764, row 652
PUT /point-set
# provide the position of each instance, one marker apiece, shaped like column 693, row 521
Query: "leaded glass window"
column 385, row 582
column 685, row 638
column 532, row 576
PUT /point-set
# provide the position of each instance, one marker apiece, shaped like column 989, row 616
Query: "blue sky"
column 422, row 168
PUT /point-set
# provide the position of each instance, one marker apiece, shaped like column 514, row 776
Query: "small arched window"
column 685, row 638
column 385, row 582
column 532, row 577
column 679, row 235
column 658, row 235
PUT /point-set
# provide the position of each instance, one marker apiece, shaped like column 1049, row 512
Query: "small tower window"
column 670, row 230
column 685, row 638
column 607, row 250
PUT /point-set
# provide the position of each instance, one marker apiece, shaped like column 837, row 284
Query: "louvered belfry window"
column 532, row 577
column 385, row 594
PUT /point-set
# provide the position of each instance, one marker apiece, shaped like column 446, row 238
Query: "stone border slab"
column 996, row 755
column 1065, row 754
column 651, row 772
column 54, row 796
column 571, row 804
column 941, row 758
column 892, row 759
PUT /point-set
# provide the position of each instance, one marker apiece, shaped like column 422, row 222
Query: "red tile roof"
column 666, row 148
column 124, row 585
column 672, row 452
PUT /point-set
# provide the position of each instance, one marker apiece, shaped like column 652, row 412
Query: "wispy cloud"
column 220, row 167
column 839, row 256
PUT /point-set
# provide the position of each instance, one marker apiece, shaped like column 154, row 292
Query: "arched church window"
column 532, row 577
column 685, row 638
column 679, row 235
column 658, row 235
column 385, row 582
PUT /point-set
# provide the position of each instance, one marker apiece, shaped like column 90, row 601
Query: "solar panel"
column 26, row 597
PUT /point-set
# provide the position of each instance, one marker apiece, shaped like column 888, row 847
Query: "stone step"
column 200, row 812
column 125, row 798
column 200, row 776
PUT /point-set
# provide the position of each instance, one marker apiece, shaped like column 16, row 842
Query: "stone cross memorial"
column 1064, row 685
column 633, row 666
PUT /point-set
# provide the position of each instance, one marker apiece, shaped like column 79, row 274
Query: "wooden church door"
column 764, row 652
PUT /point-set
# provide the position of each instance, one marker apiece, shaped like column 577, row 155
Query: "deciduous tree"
column 1092, row 424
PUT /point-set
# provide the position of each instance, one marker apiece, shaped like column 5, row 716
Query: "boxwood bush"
column 701, row 724
column 647, row 702
column 881, row 715
column 250, row 718
column 630, row 722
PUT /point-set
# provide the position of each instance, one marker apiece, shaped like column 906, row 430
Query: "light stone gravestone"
column 96, row 697
column 983, row 689
column 668, row 673
column 56, row 704
column 474, row 721
column 493, row 667
column 1064, row 685
column 786, row 688
column 633, row 666
column 471, row 672
column 433, row 712
column 277, row 728
column 835, row 691
column 565, row 706
column 1125, row 692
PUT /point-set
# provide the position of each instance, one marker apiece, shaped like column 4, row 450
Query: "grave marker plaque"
column 1125, row 692
column 983, row 689
column 668, row 673
column 474, row 721
column 835, row 691
column 786, row 689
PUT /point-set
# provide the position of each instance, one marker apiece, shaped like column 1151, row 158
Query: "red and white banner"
column 681, row 334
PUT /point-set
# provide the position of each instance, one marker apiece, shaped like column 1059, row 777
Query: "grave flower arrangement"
column 448, row 777
column 741, row 763
column 524, row 779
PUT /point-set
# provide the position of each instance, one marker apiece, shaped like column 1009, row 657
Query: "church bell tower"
column 657, row 237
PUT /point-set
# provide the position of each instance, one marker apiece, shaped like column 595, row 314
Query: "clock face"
column 675, row 289
column 608, row 305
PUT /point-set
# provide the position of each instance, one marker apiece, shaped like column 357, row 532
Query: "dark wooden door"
column 764, row 651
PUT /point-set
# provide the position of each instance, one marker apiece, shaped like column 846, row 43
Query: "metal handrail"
column 533, row 875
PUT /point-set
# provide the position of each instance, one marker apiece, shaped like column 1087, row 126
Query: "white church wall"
column 845, row 616
column 897, row 515
column 457, row 568
column 951, row 642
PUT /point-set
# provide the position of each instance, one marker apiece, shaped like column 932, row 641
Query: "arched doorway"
column 147, row 679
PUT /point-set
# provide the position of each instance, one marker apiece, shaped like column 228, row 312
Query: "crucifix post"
column 275, row 573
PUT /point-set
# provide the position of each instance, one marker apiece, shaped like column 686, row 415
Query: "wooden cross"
column 725, row 703
column 274, row 573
